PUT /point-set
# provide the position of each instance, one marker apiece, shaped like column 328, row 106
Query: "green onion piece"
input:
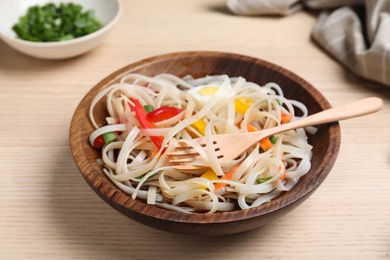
column 273, row 139
column 141, row 176
column 261, row 180
column 278, row 101
column 109, row 137
column 149, row 108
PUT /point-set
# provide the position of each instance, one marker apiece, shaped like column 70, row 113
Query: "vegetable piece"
column 164, row 113
column 284, row 173
column 99, row 142
column 132, row 107
column 251, row 128
column 146, row 123
column 242, row 104
column 109, row 137
column 149, row 108
column 265, row 143
column 143, row 175
column 261, row 180
column 210, row 175
column 227, row 176
column 154, row 153
column 51, row 23
column 273, row 139
column 105, row 138
column 285, row 118
column 199, row 126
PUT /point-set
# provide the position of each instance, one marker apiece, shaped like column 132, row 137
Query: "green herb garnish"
column 51, row 23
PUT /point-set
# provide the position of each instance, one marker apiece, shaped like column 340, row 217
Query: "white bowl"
column 107, row 11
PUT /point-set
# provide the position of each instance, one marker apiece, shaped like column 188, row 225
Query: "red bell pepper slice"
column 145, row 122
column 131, row 105
column 99, row 142
column 164, row 113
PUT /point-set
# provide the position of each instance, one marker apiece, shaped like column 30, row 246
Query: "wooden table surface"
column 47, row 211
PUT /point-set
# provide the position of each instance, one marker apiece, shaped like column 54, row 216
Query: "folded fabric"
column 354, row 32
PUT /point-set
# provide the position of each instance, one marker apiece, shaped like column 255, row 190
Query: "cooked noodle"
column 136, row 166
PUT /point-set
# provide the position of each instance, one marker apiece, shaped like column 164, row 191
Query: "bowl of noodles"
column 125, row 129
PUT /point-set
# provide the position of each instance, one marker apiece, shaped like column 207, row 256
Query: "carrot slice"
column 226, row 176
column 285, row 118
column 284, row 173
column 265, row 143
column 251, row 128
column 154, row 153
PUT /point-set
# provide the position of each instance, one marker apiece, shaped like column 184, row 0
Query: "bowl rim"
column 87, row 37
column 123, row 202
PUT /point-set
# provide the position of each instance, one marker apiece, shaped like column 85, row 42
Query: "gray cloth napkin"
column 354, row 32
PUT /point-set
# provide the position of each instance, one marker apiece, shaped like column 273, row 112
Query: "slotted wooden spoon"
column 230, row 146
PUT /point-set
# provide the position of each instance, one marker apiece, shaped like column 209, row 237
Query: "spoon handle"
column 350, row 110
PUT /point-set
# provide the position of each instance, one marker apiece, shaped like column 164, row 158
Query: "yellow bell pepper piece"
column 210, row 175
column 242, row 104
column 200, row 126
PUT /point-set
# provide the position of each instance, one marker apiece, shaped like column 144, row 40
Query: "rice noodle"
column 133, row 163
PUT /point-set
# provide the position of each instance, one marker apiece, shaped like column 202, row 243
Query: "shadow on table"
column 13, row 60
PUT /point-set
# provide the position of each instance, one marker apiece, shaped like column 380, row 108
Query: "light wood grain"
column 48, row 212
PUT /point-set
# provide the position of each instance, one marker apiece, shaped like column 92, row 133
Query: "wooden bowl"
column 326, row 143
